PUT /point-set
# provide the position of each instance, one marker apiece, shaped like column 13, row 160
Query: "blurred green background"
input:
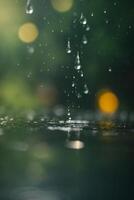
column 35, row 69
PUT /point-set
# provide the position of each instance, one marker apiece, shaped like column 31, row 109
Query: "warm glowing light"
column 77, row 144
column 62, row 5
column 28, row 32
column 108, row 102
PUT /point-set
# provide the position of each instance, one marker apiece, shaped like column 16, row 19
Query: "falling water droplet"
column 73, row 84
column 79, row 96
column 82, row 75
column 69, row 114
column 84, row 40
column 29, row 7
column 110, row 69
column 83, row 20
column 86, row 90
column 88, row 28
column 77, row 62
column 107, row 21
column 68, row 49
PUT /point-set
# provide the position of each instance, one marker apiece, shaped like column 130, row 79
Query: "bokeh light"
column 28, row 32
column 77, row 144
column 108, row 102
column 62, row 5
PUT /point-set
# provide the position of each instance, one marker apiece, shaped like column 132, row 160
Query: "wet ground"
column 66, row 161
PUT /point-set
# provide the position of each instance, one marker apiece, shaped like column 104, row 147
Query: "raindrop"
column 92, row 14
column 29, row 75
column 110, row 69
column 107, row 22
column 83, row 20
column 69, row 113
column 84, row 40
column 77, row 62
column 30, row 49
column 88, row 28
column 79, row 96
column 81, row 74
column 73, row 84
column 68, row 49
column 86, row 90
column 29, row 7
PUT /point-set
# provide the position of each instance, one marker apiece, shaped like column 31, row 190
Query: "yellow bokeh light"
column 62, row 5
column 108, row 102
column 28, row 32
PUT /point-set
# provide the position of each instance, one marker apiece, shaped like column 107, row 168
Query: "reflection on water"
column 34, row 193
column 66, row 160
column 76, row 144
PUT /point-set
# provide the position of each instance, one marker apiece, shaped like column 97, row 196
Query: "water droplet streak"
column 83, row 19
column 77, row 62
column 88, row 28
column 29, row 7
column 86, row 90
column 68, row 49
column 84, row 40
column 69, row 114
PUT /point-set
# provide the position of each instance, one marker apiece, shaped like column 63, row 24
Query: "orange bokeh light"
column 108, row 102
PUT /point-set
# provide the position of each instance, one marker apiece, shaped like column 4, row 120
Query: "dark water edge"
column 37, row 162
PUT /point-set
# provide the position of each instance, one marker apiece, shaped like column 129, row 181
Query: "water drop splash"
column 86, row 90
column 84, row 40
column 77, row 62
column 68, row 49
column 29, row 7
column 83, row 19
